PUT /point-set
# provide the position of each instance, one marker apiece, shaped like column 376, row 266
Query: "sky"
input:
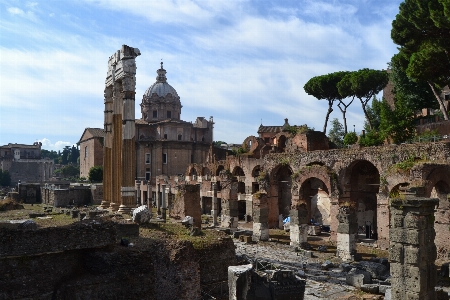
column 244, row 62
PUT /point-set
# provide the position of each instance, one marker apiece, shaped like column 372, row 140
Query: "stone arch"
column 280, row 193
column 316, row 186
column 438, row 186
column 219, row 168
column 206, row 171
column 281, row 142
column 360, row 185
column 256, row 170
column 238, row 171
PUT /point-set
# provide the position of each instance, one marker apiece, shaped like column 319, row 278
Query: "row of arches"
column 323, row 190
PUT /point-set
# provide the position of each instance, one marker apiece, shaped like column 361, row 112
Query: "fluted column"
column 128, row 147
column 107, row 147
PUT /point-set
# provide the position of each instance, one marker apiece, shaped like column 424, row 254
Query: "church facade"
column 165, row 144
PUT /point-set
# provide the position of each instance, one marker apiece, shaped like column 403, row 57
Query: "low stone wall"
column 84, row 261
column 82, row 235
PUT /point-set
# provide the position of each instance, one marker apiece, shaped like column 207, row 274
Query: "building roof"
column 95, row 132
column 271, row 129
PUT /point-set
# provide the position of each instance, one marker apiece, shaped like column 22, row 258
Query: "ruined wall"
column 442, row 127
column 74, row 195
column 84, row 261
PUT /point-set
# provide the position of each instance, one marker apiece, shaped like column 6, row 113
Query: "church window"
column 147, row 174
column 179, row 137
column 169, row 114
column 164, row 158
column 165, row 136
column 147, row 158
column 86, row 152
column 155, row 114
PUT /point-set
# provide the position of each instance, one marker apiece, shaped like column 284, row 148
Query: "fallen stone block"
column 376, row 270
column 358, row 277
column 388, row 294
column 142, row 215
column 327, row 265
column 187, row 221
column 383, row 288
column 370, row 288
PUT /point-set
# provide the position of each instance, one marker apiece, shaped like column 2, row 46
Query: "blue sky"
column 238, row 61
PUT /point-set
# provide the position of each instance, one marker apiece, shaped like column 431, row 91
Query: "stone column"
column 214, row 203
column 346, row 233
column 163, row 202
column 239, row 281
column 412, row 251
column 158, row 205
column 116, row 151
column 149, row 195
column 107, row 163
column 229, row 216
column 128, row 201
column 298, row 226
column 138, row 194
column 260, row 217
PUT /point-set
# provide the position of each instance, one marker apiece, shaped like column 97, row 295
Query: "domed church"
column 165, row 144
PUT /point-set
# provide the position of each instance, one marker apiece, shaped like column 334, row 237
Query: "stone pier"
column 229, row 216
column 187, row 203
column 346, row 233
column 298, row 226
column 215, row 209
column 260, row 217
column 412, row 251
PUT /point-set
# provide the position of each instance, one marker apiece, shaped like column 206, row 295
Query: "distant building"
column 165, row 144
column 24, row 163
column 91, row 149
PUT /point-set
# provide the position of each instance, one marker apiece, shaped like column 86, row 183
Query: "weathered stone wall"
column 84, row 261
column 29, row 193
column 47, row 240
column 97, row 193
column 442, row 127
column 187, row 203
column 75, row 195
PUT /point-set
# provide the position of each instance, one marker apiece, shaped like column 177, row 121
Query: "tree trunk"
column 365, row 113
column 343, row 111
column 441, row 103
column 330, row 110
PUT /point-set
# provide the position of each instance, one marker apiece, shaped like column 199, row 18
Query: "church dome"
column 161, row 101
column 161, row 87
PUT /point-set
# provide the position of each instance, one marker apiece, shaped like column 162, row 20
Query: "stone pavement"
column 320, row 284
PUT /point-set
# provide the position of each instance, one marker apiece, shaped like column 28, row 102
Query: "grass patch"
column 178, row 232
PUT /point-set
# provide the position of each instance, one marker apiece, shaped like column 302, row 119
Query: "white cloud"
column 58, row 146
column 16, row 11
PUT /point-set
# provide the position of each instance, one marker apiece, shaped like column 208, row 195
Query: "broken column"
column 298, row 227
column 163, row 201
column 346, row 233
column 412, row 251
column 239, row 280
column 214, row 209
column 158, row 200
column 260, row 217
column 229, row 215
